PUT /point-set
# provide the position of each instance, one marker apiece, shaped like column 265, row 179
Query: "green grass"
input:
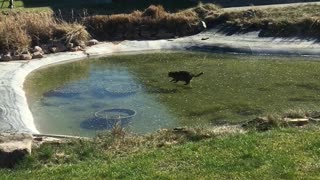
column 276, row 154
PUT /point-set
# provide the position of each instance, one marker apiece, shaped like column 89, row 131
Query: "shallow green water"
column 233, row 88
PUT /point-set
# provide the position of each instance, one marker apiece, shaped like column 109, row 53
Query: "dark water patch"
column 66, row 92
column 107, row 119
column 97, row 124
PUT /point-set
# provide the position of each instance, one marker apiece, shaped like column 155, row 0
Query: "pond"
column 86, row 97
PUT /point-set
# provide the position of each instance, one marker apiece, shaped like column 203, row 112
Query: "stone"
column 70, row 46
column 92, row 42
column 82, row 44
column 77, row 48
column 37, row 55
column 45, row 48
column 36, row 49
column 60, row 47
column 16, row 57
column 53, row 49
column 13, row 148
column 6, row 57
column 25, row 56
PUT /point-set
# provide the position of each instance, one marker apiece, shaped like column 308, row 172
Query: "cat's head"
column 170, row 74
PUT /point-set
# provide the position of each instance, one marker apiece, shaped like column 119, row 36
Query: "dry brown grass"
column 130, row 26
column 20, row 31
column 121, row 142
column 154, row 12
column 283, row 22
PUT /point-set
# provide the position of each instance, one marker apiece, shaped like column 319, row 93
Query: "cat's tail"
column 198, row 74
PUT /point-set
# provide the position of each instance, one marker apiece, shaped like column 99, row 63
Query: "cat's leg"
column 187, row 82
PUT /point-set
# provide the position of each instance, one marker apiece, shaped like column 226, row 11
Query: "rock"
column 6, row 57
column 37, row 55
column 70, row 46
column 25, row 56
column 45, row 48
column 36, row 49
column 77, row 48
column 53, row 49
column 60, row 47
column 92, row 42
column 13, row 148
column 16, row 57
column 82, row 44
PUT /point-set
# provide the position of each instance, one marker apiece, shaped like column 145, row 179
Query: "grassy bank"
column 276, row 154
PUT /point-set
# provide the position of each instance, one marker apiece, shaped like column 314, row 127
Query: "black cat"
column 182, row 76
